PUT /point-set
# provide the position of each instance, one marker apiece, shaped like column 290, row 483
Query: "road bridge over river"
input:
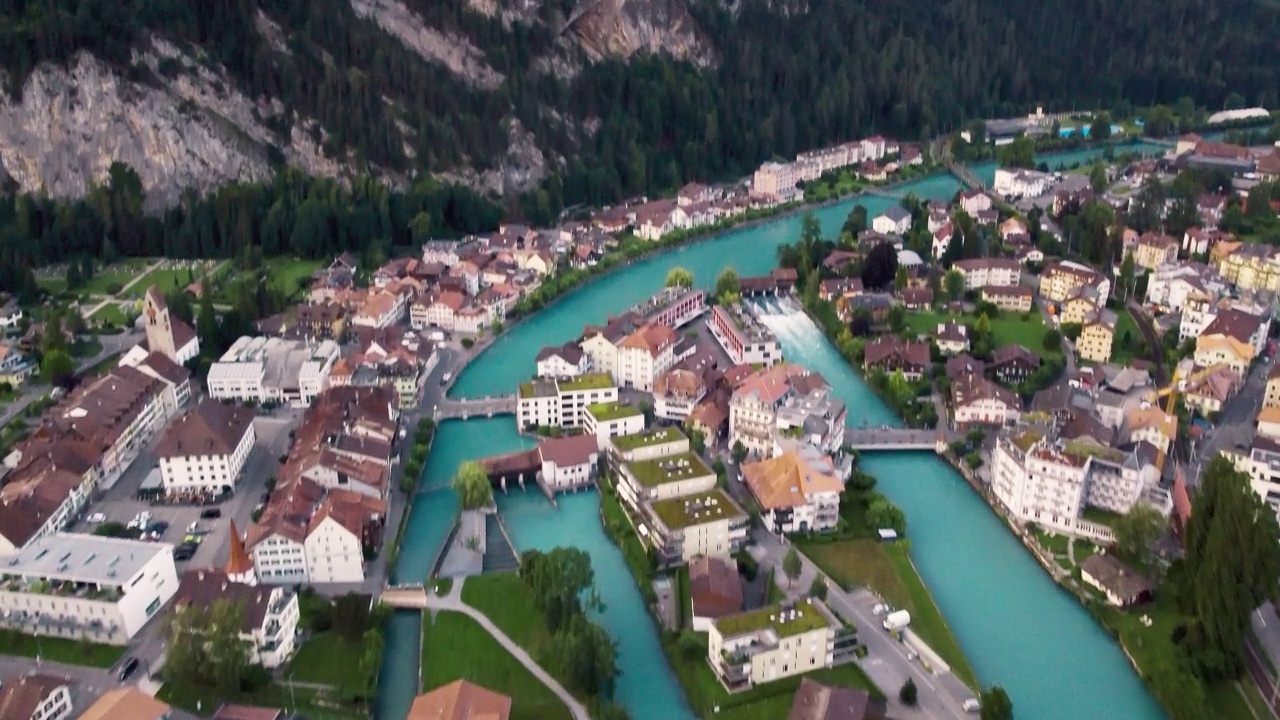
column 463, row 409
column 905, row 439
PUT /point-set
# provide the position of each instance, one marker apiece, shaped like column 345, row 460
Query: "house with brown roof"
column 460, row 700
column 644, row 355
column 760, row 396
column 891, row 354
column 917, row 298
column 797, row 491
column 569, row 462
column 269, row 614
column 1123, row 586
column 50, row 482
column 1011, row 364
column 563, row 361
column 816, row 701
column 1015, row 299
column 976, row 400
column 35, row 697
column 952, row 338
column 203, row 452
column 715, row 590
column 127, row 703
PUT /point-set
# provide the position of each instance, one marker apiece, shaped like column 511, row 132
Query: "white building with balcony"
column 702, row 524
column 563, row 402
column 272, row 370
column 747, row 340
column 86, row 586
column 270, row 612
column 205, row 450
column 797, row 491
column 771, row 643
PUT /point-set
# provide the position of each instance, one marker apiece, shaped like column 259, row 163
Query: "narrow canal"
column 1017, row 629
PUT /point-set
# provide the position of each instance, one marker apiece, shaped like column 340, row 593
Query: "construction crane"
column 1170, row 393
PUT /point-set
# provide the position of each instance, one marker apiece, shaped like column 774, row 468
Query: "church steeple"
column 239, row 566
column 159, row 328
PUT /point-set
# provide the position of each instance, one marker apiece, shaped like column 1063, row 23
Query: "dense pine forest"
column 782, row 82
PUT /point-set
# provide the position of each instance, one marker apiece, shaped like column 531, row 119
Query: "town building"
column 705, row 524
column 1017, row 299
column 1148, row 422
column 15, row 366
column 771, row 643
column 1250, row 266
column 797, row 491
column 770, row 402
column 893, row 221
column 1012, row 364
column 568, row 462
column 891, row 354
column 609, row 420
column 119, row 412
column 952, row 338
column 272, row 370
column 35, row 697
column 989, row 272
column 978, row 401
column 1154, row 250
column 648, row 445
column 1272, row 396
column 203, row 452
column 10, row 313
column 1097, row 337
column 460, row 700
column 269, row 622
column 1123, row 586
column 564, row 402
column 975, row 201
column 662, row 478
column 644, row 355
column 97, row 588
column 1059, row 279
column 776, row 181
column 743, row 337
column 677, row 392
column 564, row 361
column 715, row 590
column 674, row 307
column 1018, row 183
column 127, row 703
column 815, row 701
column 175, row 378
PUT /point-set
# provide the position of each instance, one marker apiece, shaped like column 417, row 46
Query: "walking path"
column 453, row 603
column 115, row 298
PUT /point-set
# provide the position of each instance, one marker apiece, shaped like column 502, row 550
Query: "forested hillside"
column 769, row 82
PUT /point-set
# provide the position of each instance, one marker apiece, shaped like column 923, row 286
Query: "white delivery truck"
column 897, row 620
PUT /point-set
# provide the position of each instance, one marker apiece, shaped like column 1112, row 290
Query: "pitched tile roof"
column 715, row 587
column 20, row 697
column 789, row 479
column 460, row 700
column 211, row 428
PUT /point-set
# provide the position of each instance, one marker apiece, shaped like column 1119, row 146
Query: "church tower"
column 239, row 567
column 159, row 328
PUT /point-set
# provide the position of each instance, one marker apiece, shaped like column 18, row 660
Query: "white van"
column 971, row 705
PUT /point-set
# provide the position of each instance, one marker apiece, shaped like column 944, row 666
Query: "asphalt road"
column 87, row 684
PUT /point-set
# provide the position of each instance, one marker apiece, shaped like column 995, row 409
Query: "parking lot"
column 120, row 503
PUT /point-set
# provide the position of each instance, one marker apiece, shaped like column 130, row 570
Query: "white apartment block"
column 271, row 613
column 334, row 553
column 85, row 586
column 771, row 643
column 272, row 370
column 745, row 338
column 205, row 450
column 682, row 528
column 644, row 355
column 648, row 445
column 676, row 393
column 1022, row 183
column 610, row 420
column 280, row 560
column 1049, row 485
column 562, row 403
column 989, row 272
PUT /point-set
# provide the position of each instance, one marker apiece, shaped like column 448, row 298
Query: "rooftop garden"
column 604, row 412
column 786, row 622
column 1085, row 449
column 590, row 381
column 673, row 468
column 682, row 512
column 646, row 438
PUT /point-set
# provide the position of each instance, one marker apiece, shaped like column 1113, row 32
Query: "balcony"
column 735, row 676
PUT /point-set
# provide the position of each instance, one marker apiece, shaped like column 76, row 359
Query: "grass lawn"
column 86, row 348
column 110, row 313
column 287, row 274
column 313, row 661
column 52, row 284
column 1098, row 515
column 503, row 598
column 887, row 569
column 315, row 704
column 455, row 646
column 114, row 276
column 63, row 650
column 1054, row 543
column 1122, row 353
column 167, row 279
column 1007, row 328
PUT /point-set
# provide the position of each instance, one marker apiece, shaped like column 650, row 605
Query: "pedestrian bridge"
column 463, row 409
column 404, row 597
column 882, row 438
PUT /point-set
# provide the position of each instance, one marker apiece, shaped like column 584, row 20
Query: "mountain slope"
column 577, row 100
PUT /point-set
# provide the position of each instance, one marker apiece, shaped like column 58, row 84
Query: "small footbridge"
column 463, row 409
column 404, row 597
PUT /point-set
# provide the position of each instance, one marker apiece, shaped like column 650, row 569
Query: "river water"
column 1018, row 630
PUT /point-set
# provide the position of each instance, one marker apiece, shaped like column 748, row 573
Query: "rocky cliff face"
column 626, row 27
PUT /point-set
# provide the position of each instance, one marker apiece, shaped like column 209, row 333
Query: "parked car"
column 130, row 666
column 97, row 518
column 971, row 705
column 159, row 527
column 210, row 514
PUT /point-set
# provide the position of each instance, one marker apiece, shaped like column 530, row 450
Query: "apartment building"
column 568, row 462
column 15, row 366
column 1059, row 279
column 756, row 403
column 204, row 451
column 49, row 482
column 747, row 340
column 978, row 401
column 952, row 338
column 892, row 354
column 1272, row 396
column 797, row 491
column 1097, row 337
column 705, row 524
column 35, row 697
column 1148, row 422
column 564, row 402
column 176, row 378
column 776, row 181
column 674, row 307
column 86, row 586
column 311, row 535
column 677, row 392
column 1080, row 306
column 1252, row 266
column 1050, row 482
column 663, row 478
column 272, row 370
column 1154, row 250
column 989, row 272
column 119, row 412
column 648, row 445
column 771, row 643
column 564, row 361
column 1017, row 299
column 269, row 621
column 610, row 420
column 1262, row 462
column 644, row 355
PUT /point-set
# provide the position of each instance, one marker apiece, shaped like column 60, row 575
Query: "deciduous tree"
column 791, row 565
column 472, row 485
column 679, row 277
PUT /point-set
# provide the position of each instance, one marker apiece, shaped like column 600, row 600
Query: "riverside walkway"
column 462, row 409
column 896, row 439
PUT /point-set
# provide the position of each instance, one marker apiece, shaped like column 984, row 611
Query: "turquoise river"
column 1017, row 628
